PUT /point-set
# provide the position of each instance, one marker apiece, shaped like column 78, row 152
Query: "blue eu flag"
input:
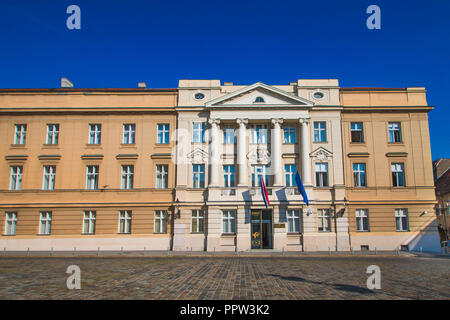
column 301, row 188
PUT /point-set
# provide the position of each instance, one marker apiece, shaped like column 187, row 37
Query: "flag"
column 301, row 188
column 264, row 193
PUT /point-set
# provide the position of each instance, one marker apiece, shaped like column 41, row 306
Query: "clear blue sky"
column 275, row 42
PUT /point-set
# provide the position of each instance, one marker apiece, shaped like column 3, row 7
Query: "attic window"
column 318, row 95
column 259, row 100
column 199, row 96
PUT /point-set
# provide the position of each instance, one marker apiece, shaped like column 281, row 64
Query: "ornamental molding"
column 258, row 155
column 321, row 154
column 304, row 120
column 197, row 156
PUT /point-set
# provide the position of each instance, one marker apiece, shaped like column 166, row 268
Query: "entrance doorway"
column 261, row 231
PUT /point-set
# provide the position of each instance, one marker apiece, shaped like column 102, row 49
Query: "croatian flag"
column 264, row 193
column 301, row 188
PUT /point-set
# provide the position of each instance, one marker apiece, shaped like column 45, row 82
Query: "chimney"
column 65, row 83
column 142, row 85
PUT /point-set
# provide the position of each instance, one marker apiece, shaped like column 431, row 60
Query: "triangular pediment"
column 197, row 156
column 260, row 95
column 321, row 154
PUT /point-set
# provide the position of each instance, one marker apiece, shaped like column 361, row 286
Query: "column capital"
column 304, row 120
column 241, row 121
column 213, row 121
column 277, row 121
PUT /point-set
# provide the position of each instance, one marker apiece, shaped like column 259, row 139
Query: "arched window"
column 259, row 100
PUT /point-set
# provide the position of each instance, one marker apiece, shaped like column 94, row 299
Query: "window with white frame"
column 260, row 172
column 293, row 219
column 20, row 133
column 321, row 174
column 125, row 221
column 89, row 222
column 290, row 170
column 398, row 174
column 95, row 133
column 359, row 174
column 197, row 221
column 324, row 220
column 129, row 133
column 127, row 177
column 362, row 219
column 198, row 132
column 15, row 182
column 289, row 135
column 320, row 131
column 92, row 177
column 160, row 221
column 401, row 220
column 45, row 222
column 52, row 133
column 357, row 131
column 258, row 134
column 163, row 133
column 162, row 176
column 228, row 135
column 48, row 182
column 228, row 221
column 228, row 176
column 395, row 132
column 10, row 223
column 198, row 175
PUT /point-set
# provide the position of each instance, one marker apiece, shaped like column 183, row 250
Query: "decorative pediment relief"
column 258, row 155
column 198, row 156
column 321, row 154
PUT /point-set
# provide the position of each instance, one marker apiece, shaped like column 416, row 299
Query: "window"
column 92, row 177
column 89, row 222
column 321, row 174
column 401, row 220
column 289, row 134
column 15, row 182
column 228, row 176
column 49, row 178
column 293, row 219
column 20, row 133
column 95, row 133
column 129, row 133
column 125, row 221
column 197, row 221
column 163, row 134
column 199, row 96
column 324, row 220
column 362, row 220
column 45, row 222
column 162, row 176
column 127, row 177
column 10, row 223
column 259, row 172
column 198, row 175
column 160, row 221
column 228, row 221
column 357, row 133
column 359, row 174
column 395, row 132
column 398, row 174
column 258, row 134
column 259, row 100
column 228, row 135
column 198, row 132
column 290, row 170
column 320, row 131
column 318, row 95
column 52, row 134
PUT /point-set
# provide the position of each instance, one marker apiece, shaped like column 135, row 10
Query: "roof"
column 443, row 184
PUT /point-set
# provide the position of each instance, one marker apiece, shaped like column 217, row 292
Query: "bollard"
column 144, row 251
column 329, row 251
column 51, row 251
column 351, row 249
column 4, row 251
column 375, row 250
column 98, row 251
column 121, row 250
column 74, row 250
column 28, row 251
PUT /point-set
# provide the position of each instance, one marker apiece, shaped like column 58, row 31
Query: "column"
column 305, row 150
column 241, row 152
column 214, row 154
column 276, row 152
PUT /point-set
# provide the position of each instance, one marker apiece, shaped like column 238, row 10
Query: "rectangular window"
column 290, row 170
column 321, row 174
column 45, row 222
column 359, row 174
column 395, row 132
column 160, row 221
column 289, row 134
column 15, row 182
column 125, row 221
column 258, row 172
column 228, row 135
column 52, row 134
column 198, row 175
column 293, row 219
column 198, row 132
column 258, row 134
column 49, row 178
column 127, row 177
column 89, row 222
column 10, row 223
column 20, row 133
column 197, row 221
column 129, row 133
column 362, row 220
column 163, row 133
column 401, row 220
column 357, row 131
column 162, row 176
column 320, row 131
column 229, row 221
column 228, row 176
column 324, row 220
column 398, row 174
column 92, row 177
column 95, row 133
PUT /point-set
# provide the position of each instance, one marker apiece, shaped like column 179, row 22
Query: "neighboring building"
column 442, row 182
column 86, row 168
